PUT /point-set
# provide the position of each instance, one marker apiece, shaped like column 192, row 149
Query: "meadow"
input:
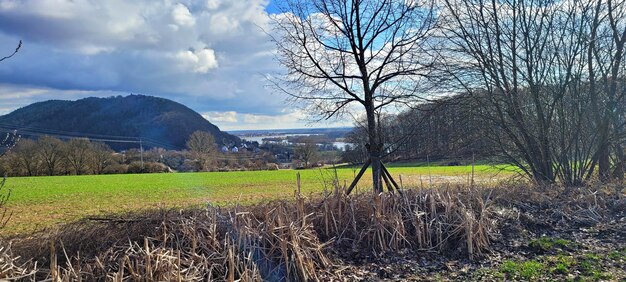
column 44, row 202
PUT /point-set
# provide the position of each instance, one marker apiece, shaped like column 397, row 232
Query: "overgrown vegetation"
column 274, row 241
column 447, row 233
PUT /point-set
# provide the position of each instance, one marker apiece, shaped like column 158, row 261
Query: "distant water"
column 259, row 138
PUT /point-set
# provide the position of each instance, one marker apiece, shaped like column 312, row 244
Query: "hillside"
column 159, row 122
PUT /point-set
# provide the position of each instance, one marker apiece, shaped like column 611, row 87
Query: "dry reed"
column 276, row 241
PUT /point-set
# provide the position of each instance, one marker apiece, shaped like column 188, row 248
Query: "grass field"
column 42, row 202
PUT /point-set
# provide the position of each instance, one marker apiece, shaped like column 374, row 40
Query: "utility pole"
column 141, row 152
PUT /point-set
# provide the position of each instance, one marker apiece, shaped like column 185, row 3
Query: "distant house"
column 224, row 149
column 235, row 150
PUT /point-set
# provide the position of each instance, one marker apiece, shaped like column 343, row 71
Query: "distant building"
column 235, row 150
column 224, row 149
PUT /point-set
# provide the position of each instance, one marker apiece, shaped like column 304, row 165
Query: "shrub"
column 148, row 167
column 116, row 169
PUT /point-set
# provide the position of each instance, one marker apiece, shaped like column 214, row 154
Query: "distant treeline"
column 447, row 129
column 51, row 156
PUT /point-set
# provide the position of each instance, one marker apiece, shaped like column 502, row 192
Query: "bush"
column 153, row 167
column 272, row 166
column 148, row 167
column 116, row 169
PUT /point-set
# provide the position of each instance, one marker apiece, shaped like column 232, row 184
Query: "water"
column 340, row 145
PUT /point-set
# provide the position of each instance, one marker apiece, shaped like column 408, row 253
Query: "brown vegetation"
column 273, row 240
column 452, row 231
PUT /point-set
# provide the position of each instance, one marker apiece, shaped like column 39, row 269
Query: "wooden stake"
column 298, row 182
column 386, row 179
column 385, row 171
column 53, row 261
column 358, row 176
column 473, row 162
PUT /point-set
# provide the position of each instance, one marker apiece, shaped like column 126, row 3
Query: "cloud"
column 212, row 4
column 211, row 55
column 221, row 117
column 201, row 61
column 287, row 120
column 182, row 16
column 154, row 47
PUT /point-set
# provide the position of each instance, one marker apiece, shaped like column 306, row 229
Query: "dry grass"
column 433, row 219
column 11, row 268
column 277, row 241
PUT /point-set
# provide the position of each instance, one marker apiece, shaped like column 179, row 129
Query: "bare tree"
column 26, row 156
column 50, row 152
column 100, row 157
column 6, row 144
column 202, row 146
column 77, row 154
column 605, row 55
column 524, row 62
column 306, row 152
column 354, row 56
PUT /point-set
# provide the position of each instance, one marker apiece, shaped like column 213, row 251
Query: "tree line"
column 47, row 156
column 449, row 129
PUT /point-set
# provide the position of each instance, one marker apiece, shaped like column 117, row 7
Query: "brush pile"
column 276, row 241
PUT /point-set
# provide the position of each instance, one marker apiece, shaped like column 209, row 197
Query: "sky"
column 210, row 55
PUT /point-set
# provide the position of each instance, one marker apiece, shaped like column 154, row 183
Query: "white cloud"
column 200, row 61
column 223, row 24
column 143, row 46
column 212, row 4
column 221, row 117
column 241, row 121
column 182, row 16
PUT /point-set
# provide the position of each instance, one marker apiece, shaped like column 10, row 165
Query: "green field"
column 41, row 202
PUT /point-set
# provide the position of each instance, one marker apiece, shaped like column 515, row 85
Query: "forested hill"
column 159, row 122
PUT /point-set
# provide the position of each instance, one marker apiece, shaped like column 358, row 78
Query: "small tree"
column 202, row 146
column 6, row 145
column 306, row 152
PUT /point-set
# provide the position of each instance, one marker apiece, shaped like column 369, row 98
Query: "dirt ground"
column 548, row 234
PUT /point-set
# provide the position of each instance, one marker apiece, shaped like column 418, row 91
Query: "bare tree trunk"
column 374, row 149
